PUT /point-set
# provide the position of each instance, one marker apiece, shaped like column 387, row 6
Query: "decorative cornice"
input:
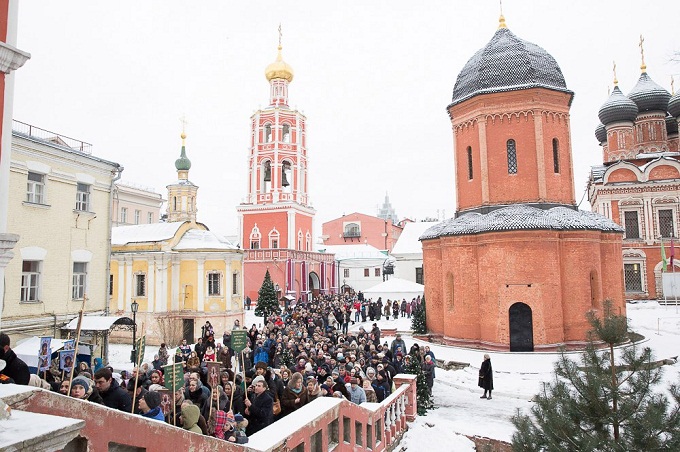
column 11, row 58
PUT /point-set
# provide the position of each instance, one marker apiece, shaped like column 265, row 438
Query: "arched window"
column 266, row 175
column 469, row 160
column 286, row 176
column 512, row 157
column 556, row 155
column 255, row 238
column 308, row 242
column 285, row 134
column 273, row 238
column 268, row 133
column 299, row 240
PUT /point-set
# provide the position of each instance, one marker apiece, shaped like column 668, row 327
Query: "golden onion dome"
column 279, row 69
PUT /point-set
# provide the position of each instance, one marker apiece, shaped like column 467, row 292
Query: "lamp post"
column 134, row 307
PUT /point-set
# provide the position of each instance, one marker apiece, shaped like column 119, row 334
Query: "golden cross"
column 501, row 4
column 616, row 82
column 643, row 66
column 672, row 86
column 280, row 34
column 184, row 122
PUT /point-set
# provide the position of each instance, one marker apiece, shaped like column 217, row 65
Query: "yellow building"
column 179, row 273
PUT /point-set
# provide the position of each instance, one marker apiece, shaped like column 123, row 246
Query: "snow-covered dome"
column 648, row 95
column 522, row 217
column 617, row 108
column 671, row 125
column 674, row 105
column 601, row 133
column 507, row 63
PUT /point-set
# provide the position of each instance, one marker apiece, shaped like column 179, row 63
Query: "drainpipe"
column 118, row 171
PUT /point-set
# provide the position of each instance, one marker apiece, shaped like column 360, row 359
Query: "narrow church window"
column 268, row 133
column 234, row 283
column 556, row 155
column 286, row 134
column 631, row 224
column 512, row 157
column 666, row 223
column 633, row 277
column 469, row 157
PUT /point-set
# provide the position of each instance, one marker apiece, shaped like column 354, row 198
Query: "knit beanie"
column 81, row 382
column 152, row 399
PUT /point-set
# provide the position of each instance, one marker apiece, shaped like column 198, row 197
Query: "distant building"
column 60, row 204
column 519, row 265
column 360, row 266
column 638, row 184
column 408, row 252
column 387, row 212
column 179, row 273
column 276, row 217
column 134, row 204
column 361, row 228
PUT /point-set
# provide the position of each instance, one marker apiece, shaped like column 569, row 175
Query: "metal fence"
column 51, row 137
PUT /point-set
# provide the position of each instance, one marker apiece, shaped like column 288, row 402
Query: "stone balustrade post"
column 411, row 408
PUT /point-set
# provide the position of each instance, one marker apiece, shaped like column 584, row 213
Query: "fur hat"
column 152, row 399
column 261, row 365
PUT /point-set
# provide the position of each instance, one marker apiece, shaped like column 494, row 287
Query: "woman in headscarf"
column 294, row 395
column 486, row 377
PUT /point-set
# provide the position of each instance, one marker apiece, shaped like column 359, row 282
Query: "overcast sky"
column 373, row 78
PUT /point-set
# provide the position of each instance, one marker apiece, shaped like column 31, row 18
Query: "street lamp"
column 134, row 307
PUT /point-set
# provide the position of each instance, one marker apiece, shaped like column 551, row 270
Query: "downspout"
column 105, row 343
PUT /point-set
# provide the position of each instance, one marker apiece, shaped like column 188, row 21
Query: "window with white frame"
column 666, row 228
column 138, row 216
column 35, row 189
column 30, row 280
column 631, row 224
column 83, row 197
column 345, row 272
column 299, row 240
column 123, row 214
column 367, row 272
column 214, row 284
column 274, row 238
column 377, row 271
column 234, row 283
column 308, row 242
column 140, row 285
column 78, row 286
column 255, row 238
column 149, row 217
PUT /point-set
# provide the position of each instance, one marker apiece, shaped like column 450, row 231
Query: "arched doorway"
column 314, row 284
column 521, row 328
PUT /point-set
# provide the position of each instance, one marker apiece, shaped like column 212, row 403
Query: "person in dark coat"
column 428, row 369
column 486, row 377
column 294, row 396
column 259, row 407
column 113, row 395
column 15, row 368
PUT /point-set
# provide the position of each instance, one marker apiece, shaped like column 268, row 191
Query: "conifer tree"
column 267, row 301
column 606, row 403
column 423, row 396
column 287, row 357
column 418, row 321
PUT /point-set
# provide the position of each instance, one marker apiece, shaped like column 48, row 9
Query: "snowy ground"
column 517, row 378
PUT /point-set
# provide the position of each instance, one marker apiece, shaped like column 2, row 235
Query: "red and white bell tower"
column 275, row 219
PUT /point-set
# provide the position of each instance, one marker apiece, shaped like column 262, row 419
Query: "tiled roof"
column 648, row 95
column 674, row 105
column 617, row 108
column 507, row 63
column 522, row 217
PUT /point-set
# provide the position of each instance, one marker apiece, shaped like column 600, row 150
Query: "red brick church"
column 519, row 265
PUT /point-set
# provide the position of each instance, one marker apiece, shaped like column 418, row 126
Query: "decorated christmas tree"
column 418, row 324
column 606, row 402
column 267, row 301
column 423, row 396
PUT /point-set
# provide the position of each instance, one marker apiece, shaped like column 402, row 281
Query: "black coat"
column 117, row 397
column 261, row 412
column 486, row 376
column 15, row 369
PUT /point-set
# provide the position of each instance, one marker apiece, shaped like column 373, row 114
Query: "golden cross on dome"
column 616, row 82
column 184, row 122
column 643, row 66
column 501, row 19
column 672, row 86
column 280, row 34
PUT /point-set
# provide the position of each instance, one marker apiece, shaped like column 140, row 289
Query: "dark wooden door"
column 521, row 328
column 188, row 327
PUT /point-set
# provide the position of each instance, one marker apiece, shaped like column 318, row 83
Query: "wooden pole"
column 138, row 362
column 174, row 397
column 233, row 391
column 75, row 354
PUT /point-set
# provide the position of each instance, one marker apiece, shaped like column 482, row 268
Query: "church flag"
column 663, row 257
column 672, row 253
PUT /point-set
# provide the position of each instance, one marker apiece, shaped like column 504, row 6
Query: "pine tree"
column 267, row 301
column 287, row 357
column 423, row 396
column 605, row 404
column 418, row 321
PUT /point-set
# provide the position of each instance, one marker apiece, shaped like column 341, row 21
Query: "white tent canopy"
column 395, row 289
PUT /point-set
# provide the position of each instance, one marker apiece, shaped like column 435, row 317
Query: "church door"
column 521, row 328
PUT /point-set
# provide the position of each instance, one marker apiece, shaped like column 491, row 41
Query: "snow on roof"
column 355, row 251
column 140, row 233
column 93, row 323
column 408, row 242
column 200, row 239
column 396, row 285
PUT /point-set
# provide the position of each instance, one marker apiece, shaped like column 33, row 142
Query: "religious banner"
column 66, row 359
column 44, row 354
column 173, row 376
column 70, row 344
column 213, row 373
column 239, row 340
column 166, row 401
column 140, row 348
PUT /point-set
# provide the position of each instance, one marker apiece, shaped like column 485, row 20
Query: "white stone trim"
column 33, row 253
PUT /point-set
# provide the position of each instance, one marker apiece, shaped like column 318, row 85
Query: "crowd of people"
column 303, row 353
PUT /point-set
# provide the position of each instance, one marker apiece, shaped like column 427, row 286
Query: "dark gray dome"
column 601, row 133
column 617, row 108
column 507, row 63
column 522, row 217
column 671, row 125
column 674, row 105
column 649, row 96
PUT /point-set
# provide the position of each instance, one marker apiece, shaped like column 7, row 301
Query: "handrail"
column 53, row 138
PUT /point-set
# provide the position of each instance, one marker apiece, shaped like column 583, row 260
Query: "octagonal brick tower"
column 519, row 265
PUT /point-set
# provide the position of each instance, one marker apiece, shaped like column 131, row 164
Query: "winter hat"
column 238, row 417
column 230, row 417
column 261, row 365
column 308, row 367
column 259, row 378
column 152, row 399
column 80, row 381
column 156, row 387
